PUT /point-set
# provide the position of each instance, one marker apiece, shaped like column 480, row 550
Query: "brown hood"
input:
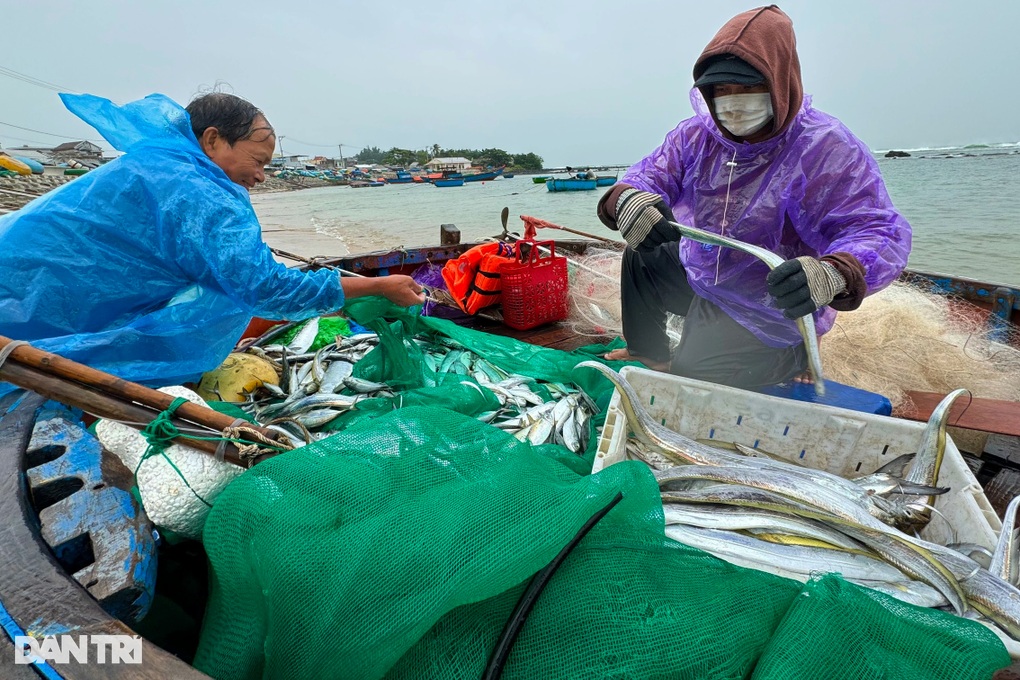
column 764, row 38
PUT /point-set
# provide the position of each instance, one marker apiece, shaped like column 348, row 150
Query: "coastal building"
column 81, row 154
column 77, row 151
column 453, row 164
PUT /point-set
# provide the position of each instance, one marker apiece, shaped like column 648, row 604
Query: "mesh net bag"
column 398, row 548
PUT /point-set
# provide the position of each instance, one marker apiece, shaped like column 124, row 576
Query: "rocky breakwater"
column 15, row 192
column 275, row 184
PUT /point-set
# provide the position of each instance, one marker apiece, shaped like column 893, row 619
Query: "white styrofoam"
column 840, row 441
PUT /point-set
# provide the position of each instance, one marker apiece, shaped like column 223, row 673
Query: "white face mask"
column 743, row 114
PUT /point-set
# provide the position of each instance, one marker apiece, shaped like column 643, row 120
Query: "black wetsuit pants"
column 713, row 347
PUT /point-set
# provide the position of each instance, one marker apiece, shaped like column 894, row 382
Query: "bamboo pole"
column 107, row 396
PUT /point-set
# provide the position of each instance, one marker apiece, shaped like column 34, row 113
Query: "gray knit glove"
column 803, row 284
column 643, row 219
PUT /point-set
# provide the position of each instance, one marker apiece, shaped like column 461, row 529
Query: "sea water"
column 963, row 205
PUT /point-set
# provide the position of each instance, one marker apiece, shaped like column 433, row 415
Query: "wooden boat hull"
column 540, row 179
column 483, row 176
column 36, row 592
column 449, row 182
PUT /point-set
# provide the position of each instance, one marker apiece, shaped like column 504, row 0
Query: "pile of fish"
column 317, row 387
column 756, row 510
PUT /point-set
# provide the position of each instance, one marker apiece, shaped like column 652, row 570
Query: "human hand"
column 398, row 289
column 401, row 290
column 803, row 284
column 643, row 219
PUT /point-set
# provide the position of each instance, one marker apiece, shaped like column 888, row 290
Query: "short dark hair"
column 232, row 116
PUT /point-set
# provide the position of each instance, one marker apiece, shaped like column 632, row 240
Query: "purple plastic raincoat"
column 814, row 189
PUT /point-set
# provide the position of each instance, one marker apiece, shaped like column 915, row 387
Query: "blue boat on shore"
column 449, row 182
column 403, row 177
column 571, row 184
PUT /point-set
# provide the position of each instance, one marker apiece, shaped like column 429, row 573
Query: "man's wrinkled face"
column 245, row 160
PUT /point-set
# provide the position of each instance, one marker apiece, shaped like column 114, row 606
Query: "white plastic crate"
column 840, row 441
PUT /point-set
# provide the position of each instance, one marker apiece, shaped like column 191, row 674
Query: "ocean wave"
column 968, row 147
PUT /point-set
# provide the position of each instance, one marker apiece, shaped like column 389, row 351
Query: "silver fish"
column 305, row 337
column 1005, row 561
column 805, row 324
column 928, row 462
column 685, row 450
column 791, row 561
column 731, row 518
column 910, row 555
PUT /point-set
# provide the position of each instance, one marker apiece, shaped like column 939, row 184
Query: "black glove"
column 643, row 219
column 803, row 284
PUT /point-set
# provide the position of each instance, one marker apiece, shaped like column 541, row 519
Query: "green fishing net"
column 399, row 546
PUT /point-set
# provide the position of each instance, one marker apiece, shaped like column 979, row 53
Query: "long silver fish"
column 805, row 324
column 685, row 450
column 791, row 561
column 910, row 555
column 1005, row 562
column 928, row 462
column 736, row 518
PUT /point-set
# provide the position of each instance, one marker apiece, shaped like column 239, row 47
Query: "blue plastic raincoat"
column 151, row 266
column 814, row 189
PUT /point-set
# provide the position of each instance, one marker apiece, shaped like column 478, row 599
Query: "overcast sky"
column 576, row 82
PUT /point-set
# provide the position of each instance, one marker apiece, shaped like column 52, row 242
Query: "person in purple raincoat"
column 759, row 164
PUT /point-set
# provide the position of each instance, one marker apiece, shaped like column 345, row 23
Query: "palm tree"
column 435, row 150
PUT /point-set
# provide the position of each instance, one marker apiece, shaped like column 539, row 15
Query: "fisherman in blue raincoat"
column 151, row 266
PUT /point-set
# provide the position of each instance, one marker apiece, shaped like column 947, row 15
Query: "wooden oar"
column 107, row 396
column 549, row 225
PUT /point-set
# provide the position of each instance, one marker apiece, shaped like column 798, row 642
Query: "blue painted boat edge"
column 13, row 630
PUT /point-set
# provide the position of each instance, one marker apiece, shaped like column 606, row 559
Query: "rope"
column 221, row 448
column 6, row 350
column 161, row 432
column 248, row 451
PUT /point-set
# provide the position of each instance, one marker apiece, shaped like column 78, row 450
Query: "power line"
column 322, row 145
column 22, row 139
column 31, row 80
column 41, row 132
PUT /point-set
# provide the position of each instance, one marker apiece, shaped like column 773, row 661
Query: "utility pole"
column 343, row 163
column 283, row 160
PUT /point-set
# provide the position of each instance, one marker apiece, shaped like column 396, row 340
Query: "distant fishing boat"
column 571, row 184
column 483, row 176
column 455, row 182
column 403, row 177
column 361, row 184
column 508, row 175
column 540, row 179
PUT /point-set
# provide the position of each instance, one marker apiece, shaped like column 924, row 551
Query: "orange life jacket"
column 473, row 278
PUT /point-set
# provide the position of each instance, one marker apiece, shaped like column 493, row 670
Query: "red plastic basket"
column 534, row 287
